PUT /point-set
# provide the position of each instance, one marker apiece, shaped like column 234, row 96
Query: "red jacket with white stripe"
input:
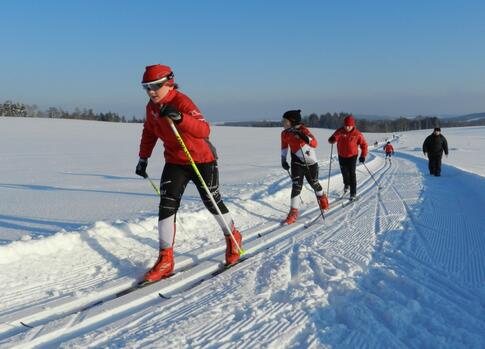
column 348, row 142
column 193, row 129
column 297, row 145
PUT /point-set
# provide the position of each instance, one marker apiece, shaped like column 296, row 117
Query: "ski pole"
column 289, row 174
column 310, row 175
column 154, row 186
column 329, row 169
column 196, row 170
column 378, row 186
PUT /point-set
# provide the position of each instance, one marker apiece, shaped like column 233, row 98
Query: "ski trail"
column 374, row 276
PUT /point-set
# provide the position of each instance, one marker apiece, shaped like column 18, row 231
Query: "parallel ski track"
column 35, row 336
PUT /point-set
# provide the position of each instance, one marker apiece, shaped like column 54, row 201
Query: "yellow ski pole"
column 196, row 170
column 154, row 186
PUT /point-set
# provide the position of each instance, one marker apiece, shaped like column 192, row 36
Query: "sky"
column 241, row 60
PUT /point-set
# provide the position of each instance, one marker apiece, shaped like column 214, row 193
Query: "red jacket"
column 193, row 129
column 298, row 147
column 388, row 148
column 348, row 142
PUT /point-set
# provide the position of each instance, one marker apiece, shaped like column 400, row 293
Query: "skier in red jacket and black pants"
column 389, row 150
column 304, row 163
column 348, row 139
column 167, row 102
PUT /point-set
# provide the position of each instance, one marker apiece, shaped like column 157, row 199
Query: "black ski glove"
column 141, row 168
column 171, row 112
column 362, row 159
column 284, row 164
column 332, row 140
column 300, row 135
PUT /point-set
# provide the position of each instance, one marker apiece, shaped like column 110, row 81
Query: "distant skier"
column 167, row 102
column 434, row 145
column 389, row 150
column 304, row 163
column 348, row 139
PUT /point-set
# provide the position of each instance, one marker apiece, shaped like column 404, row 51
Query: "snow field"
column 402, row 267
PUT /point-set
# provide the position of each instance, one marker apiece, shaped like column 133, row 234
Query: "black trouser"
column 300, row 171
column 347, row 167
column 176, row 177
column 434, row 164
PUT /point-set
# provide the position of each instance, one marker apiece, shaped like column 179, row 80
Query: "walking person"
column 166, row 101
column 348, row 140
column 304, row 164
column 434, row 145
column 389, row 150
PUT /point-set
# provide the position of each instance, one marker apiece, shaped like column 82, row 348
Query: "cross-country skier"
column 304, row 163
column 166, row 101
column 434, row 145
column 348, row 139
column 389, row 150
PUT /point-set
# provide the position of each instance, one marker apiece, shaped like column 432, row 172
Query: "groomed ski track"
column 399, row 253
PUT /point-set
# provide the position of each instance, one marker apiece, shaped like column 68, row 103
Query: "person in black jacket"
column 434, row 145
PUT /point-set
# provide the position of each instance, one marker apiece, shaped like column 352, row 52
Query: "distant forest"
column 328, row 120
column 23, row 110
column 336, row 120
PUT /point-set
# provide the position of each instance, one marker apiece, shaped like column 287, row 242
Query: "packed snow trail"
column 78, row 321
column 392, row 270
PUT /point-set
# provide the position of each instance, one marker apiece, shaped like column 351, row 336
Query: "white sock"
column 166, row 232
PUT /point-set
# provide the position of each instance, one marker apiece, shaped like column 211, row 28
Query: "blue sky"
column 248, row 59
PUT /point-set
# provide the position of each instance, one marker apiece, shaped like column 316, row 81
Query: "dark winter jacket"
column 435, row 145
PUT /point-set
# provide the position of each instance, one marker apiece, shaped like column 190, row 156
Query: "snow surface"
column 402, row 267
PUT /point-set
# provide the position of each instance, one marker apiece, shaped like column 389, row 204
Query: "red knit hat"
column 156, row 72
column 349, row 121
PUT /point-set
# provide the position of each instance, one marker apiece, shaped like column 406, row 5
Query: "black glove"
column 332, row 140
column 171, row 112
column 362, row 159
column 300, row 135
column 284, row 164
column 141, row 168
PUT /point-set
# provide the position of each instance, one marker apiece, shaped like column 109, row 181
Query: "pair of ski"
column 345, row 201
column 144, row 283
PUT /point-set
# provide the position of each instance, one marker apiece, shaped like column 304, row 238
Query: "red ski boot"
column 232, row 252
column 163, row 267
column 323, row 201
column 292, row 216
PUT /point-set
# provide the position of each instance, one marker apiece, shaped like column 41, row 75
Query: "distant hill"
column 468, row 117
column 374, row 117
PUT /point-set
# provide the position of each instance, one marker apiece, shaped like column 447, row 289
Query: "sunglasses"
column 158, row 84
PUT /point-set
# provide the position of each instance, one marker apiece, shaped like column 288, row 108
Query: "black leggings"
column 176, row 177
column 298, row 171
column 347, row 167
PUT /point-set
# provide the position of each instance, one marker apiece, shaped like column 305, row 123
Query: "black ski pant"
column 174, row 181
column 434, row 164
column 300, row 171
column 347, row 167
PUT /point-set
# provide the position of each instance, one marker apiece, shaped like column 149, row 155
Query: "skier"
column 304, row 163
column 434, row 145
column 167, row 102
column 389, row 150
column 348, row 139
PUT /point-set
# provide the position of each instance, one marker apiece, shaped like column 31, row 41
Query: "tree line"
column 10, row 108
column 336, row 120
